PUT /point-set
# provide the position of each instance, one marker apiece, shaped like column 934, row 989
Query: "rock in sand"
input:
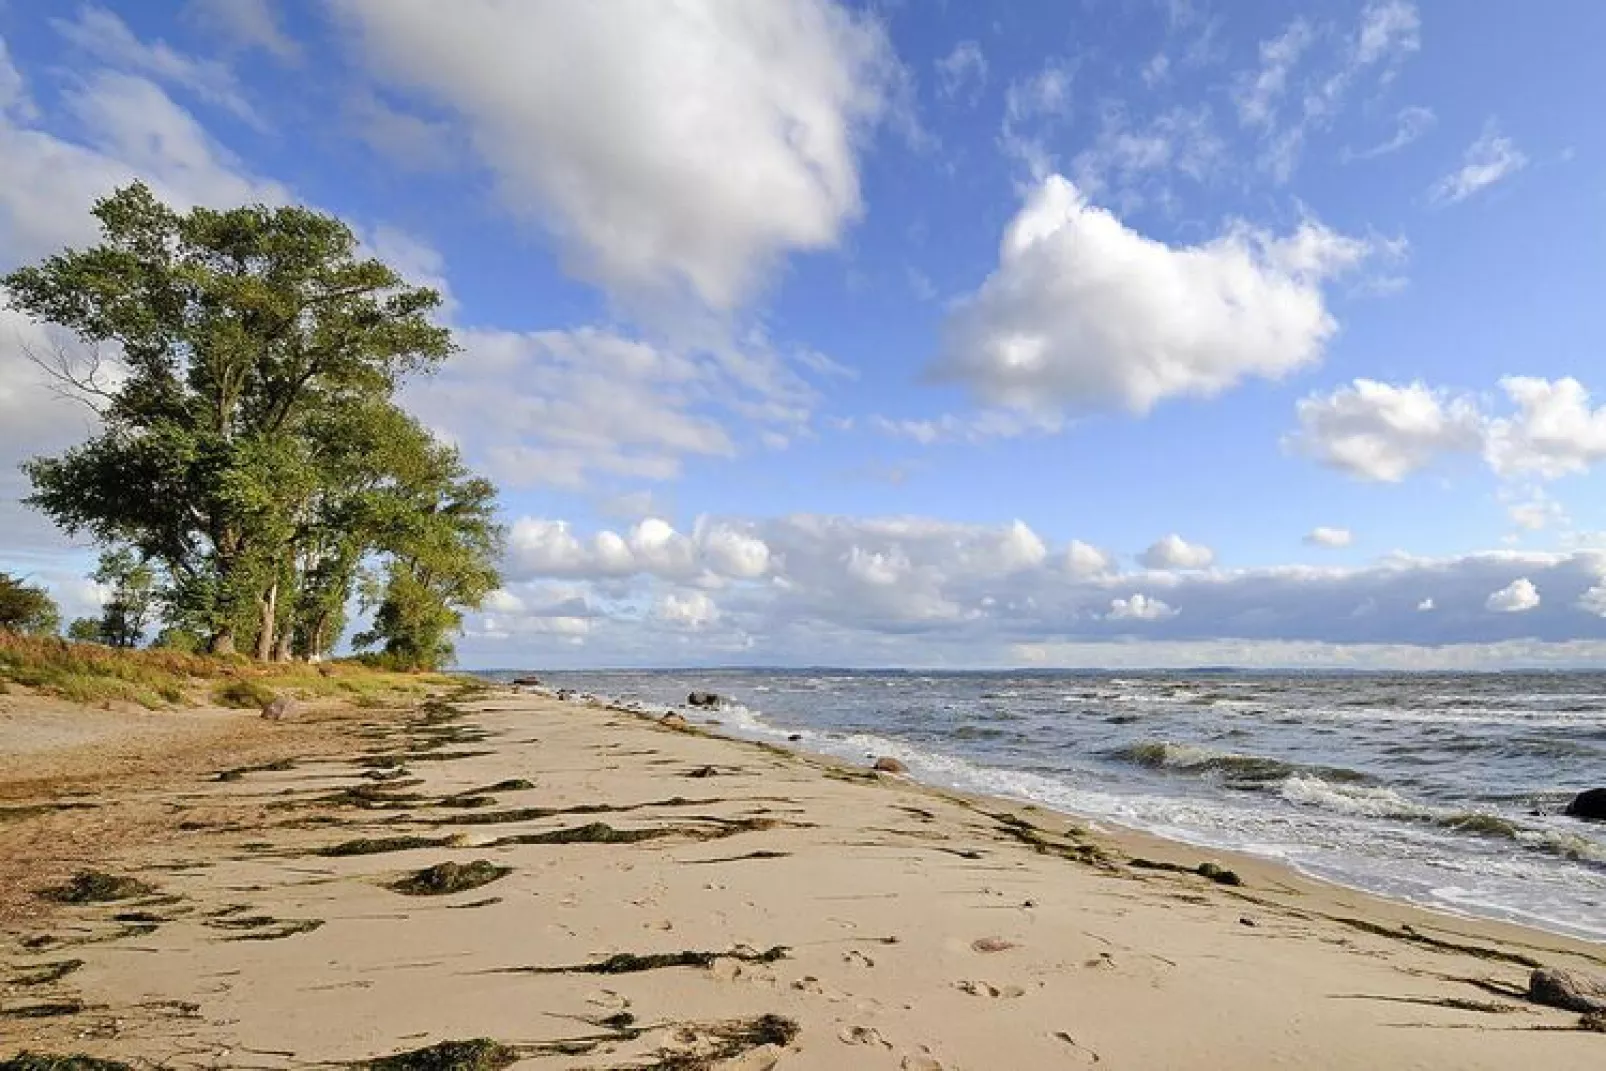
column 1557, row 988
column 888, row 764
column 280, row 708
column 672, row 721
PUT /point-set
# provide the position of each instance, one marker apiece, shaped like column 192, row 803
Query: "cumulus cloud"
column 693, row 610
column 1085, row 560
column 1553, row 433
column 1517, row 597
column 920, row 591
column 1139, row 608
column 1174, row 552
column 1087, row 313
column 618, row 134
column 1382, row 431
column 1488, row 160
column 1377, row 431
column 1323, row 536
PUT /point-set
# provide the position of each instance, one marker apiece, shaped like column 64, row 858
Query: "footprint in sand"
column 920, row 1061
column 987, row 989
column 854, row 956
column 862, row 1035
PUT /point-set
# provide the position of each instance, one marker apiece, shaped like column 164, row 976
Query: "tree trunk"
column 281, row 648
column 270, row 612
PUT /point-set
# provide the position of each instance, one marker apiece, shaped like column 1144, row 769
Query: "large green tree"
column 26, row 608
column 250, row 447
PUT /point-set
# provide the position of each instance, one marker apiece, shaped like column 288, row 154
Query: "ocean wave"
column 1250, row 769
column 1366, row 801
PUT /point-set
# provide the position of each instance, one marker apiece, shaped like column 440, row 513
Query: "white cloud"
column 1174, row 552
column 1488, row 160
column 108, row 39
column 920, row 591
column 1537, row 513
column 1085, row 312
column 1323, row 536
column 1139, row 608
column 1410, row 124
column 1594, row 600
column 415, row 142
column 1032, row 107
column 1377, row 431
column 559, row 408
column 1257, row 94
column 963, row 67
column 1083, row 560
column 693, row 610
column 1553, row 433
column 975, row 428
column 619, row 134
column 1137, row 161
column 1517, row 597
column 1389, row 29
column 734, row 553
column 245, row 24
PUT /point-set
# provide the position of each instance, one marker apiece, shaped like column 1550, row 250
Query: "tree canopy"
column 26, row 607
column 252, row 465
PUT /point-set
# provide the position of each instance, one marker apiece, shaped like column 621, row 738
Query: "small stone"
column 794, row 738
column 888, row 764
column 280, row 708
column 1557, row 988
column 1245, row 920
column 672, row 721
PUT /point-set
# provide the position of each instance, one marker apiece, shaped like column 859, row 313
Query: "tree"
column 26, row 608
column 443, row 542
column 84, row 630
column 258, row 352
column 133, row 593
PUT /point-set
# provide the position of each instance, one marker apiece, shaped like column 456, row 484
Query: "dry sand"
column 894, row 925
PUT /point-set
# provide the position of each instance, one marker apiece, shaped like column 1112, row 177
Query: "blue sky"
column 1117, row 333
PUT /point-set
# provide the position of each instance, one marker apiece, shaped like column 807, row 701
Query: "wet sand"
column 653, row 896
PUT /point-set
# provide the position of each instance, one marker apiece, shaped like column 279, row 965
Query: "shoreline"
column 656, row 893
column 762, row 732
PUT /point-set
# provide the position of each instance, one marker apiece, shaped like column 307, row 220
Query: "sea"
column 1446, row 790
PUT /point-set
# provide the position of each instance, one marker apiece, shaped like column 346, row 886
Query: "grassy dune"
column 92, row 674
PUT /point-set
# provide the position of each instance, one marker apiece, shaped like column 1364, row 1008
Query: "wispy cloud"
column 1488, row 160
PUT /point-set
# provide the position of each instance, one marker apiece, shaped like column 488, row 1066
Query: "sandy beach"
column 632, row 894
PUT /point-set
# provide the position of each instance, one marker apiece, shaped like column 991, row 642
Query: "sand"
column 805, row 914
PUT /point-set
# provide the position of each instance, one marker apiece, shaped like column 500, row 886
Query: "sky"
column 1112, row 333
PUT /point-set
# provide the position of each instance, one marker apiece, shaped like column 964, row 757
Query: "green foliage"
column 252, row 460
column 84, row 630
column 133, row 595
column 26, row 608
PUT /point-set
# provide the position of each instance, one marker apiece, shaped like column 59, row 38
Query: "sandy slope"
column 916, row 929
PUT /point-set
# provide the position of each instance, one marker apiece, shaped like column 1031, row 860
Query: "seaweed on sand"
column 47, row 973
column 375, row 845
column 630, row 963
column 30, row 1061
column 1218, row 874
column 50, row 1010
column 95, row 887
column 277, row 766
column 445, row 878
column 720, row 1043
column 264, row 927
column 479, row 1054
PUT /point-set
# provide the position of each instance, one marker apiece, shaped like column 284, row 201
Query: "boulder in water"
column 1557, row 988
column 888, row 764
column 1589, row 804
column 702, row 699
column 526, row 682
